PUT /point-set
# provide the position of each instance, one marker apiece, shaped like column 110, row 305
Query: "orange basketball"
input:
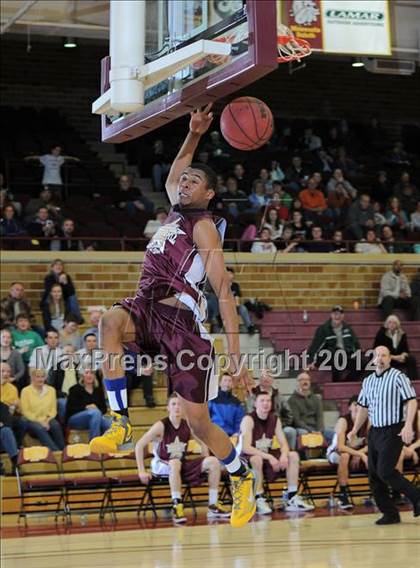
column 246, row 123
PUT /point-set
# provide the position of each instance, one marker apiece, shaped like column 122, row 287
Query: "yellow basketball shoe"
column 243, row 496
column 118, row 437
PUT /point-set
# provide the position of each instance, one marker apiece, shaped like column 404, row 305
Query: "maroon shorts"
column 268, row 472
column 186, row 347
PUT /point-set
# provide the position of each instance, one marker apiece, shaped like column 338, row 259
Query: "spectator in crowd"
column 258, row 430
column 332, row 336
column 280, row 199
column 86, row 406
column 153, row 225
column 6, row 198
column 9, row 395
column 9, row 225
column 54, row 309
column 415, row 295
column 381, row 189
column 415, row 219
column 338, row 203
column 45, row 200
column 24, row 339
column 307, row 409
column 395, row 291
column 63, row 378
column 287, row 242
column 52, row 162
column 226, row 410
column 349, row 456
column 39, row 407
column 8, row 443
column 272, row 222
column 264, row 176
column 87, row 352
column 370, row 245
column 69, row 334
column 345, row 163
column 234, row 199
column 393, row 336
column 338, row 177
column 296, row 174
column 47, row 356
column 15, row 303
column 131, row 198
column 279, row 405
column 298, row 226
column 68, row 239
column 242, row 309
column 324, row 162
column 241, row 178
column 257, row 198
column 398, row 156
column 264, row 243
column 161, row 165
column 378, row 216
column 313, row 201
column 95, row 314
column 42, row 227
column 396, row 217
column 11, row 356
column 276, row 173
column 311, row 141
column 170, row 437
column 409, row 197
column 317, row 242
column 338, row 245
column 361, row 216
column 389, row 241
column 57, row 275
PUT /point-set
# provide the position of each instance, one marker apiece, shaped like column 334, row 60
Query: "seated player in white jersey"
column 258, row 430
column 170, row 438
column 165, row 318
column 349, row 456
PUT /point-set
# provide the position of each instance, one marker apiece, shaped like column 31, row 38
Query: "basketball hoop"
column 291, row 48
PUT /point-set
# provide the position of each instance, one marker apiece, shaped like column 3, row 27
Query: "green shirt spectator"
column 24, row 339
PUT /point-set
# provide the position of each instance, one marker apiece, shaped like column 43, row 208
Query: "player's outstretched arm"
column 199, row 124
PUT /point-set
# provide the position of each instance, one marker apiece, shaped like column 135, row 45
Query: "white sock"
column 176, row 495
column 234, row 465
column 213, row 496
column 292, row 489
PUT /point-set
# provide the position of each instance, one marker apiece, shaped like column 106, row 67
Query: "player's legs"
column 294, row 501
column 175, row 483
column 211, row 466
column 343, row 479
column 257, row 464
column 116, row 327
column 197, row 415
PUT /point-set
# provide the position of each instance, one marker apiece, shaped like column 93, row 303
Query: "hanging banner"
column 355, row 27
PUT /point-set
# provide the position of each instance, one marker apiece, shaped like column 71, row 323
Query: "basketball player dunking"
column 166, row 313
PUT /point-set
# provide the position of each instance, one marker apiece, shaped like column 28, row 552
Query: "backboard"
column 194, row 52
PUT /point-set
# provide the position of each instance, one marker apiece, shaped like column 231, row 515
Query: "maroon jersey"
column 174, row 442
column 172, row 264
column 263, row 431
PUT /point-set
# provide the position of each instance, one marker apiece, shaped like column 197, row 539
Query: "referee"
column 383, row 396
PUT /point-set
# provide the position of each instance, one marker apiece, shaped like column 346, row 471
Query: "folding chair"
column 40, row 483
column 86, row 487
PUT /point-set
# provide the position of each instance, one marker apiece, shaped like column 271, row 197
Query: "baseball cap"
column 338, row 309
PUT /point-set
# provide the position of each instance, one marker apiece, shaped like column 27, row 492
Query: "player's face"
column 174, row 408
column 192, row 189
column 263, row 405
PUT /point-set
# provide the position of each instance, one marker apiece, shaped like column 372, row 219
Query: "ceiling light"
column 70, row 42
column 357, row 62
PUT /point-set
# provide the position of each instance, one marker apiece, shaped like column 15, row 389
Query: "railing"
column 26, row 242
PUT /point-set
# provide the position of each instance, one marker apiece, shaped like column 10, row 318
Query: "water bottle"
column 331, row 501
column 83, row 519
column 305, row 316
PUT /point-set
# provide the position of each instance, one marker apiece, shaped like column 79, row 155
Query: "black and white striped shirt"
column 384, row 395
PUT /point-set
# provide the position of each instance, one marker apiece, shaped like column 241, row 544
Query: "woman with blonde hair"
column 392, row 336
column 86, row 405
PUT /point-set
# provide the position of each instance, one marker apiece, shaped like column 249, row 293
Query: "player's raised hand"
column 201, row 119
column 243, row 379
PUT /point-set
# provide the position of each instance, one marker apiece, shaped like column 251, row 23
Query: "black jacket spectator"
column 397, row 348
column 79, row 398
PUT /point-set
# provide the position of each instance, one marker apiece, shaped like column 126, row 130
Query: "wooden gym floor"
column 335, row 540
